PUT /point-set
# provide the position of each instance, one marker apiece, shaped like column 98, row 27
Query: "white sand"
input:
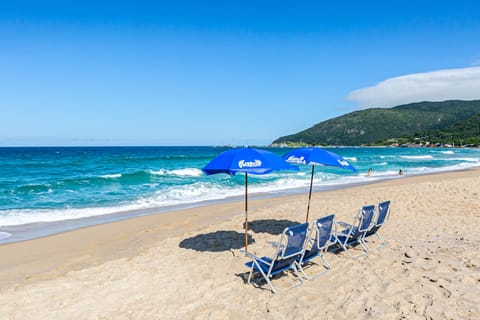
column 430, row 270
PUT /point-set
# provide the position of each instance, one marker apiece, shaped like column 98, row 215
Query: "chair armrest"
column 254, row 257
column 347, row 231
column 345, row 225
column 249, row 254
column 275, row 244
column 333, row 233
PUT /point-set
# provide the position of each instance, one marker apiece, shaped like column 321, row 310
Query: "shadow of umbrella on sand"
column 247, row 160
column 217, row 241
column 316, row 156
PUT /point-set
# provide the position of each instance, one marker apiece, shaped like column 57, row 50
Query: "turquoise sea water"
column 40, row 187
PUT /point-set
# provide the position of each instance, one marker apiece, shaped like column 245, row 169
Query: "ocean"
column 45, row 190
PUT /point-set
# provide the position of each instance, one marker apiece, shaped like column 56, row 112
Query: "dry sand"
column 181, row 265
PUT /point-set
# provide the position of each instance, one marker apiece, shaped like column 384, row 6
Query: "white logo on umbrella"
column 343, row 163
column 249, row 164
column 296, row 159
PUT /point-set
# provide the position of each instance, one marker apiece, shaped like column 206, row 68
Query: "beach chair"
column 287, row 251
column 383, row 212
column 355, row 233
column 320, row 238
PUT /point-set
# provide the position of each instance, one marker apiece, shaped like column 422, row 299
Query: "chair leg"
column 250, row 275
column 327, row 266
column 300, row 268
column 384, row 243
column 266, row 277
column 325, row 261
column 270, row 284
column 294, row 267
column 303, row 272
column 363, row 244
column 350, row 255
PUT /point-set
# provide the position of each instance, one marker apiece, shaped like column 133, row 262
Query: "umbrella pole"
column 246, row 211
column 310, row 193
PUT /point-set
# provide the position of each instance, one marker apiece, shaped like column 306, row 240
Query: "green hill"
column 466, row 132
column 375, row 125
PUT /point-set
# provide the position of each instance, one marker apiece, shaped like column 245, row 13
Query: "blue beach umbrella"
column 315, row 156
column 247, row 160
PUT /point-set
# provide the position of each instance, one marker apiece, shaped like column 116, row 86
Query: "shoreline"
column 188, row 264
column 38, row 230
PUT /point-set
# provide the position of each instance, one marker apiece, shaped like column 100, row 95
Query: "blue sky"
column 222, row 72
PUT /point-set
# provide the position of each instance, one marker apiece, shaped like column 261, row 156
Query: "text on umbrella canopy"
column 343, row 162
column 249, row 164
column 296, row 159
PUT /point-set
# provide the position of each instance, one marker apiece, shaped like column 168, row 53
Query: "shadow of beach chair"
column 287, row 251
column 355, row 233
column 320, row 238
column 383, row 212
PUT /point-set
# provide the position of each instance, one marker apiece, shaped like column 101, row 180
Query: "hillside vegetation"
column 379, row 125
column 466, row 132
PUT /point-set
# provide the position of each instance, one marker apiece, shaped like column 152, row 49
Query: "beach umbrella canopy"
column 316, row 156
column 247, row 160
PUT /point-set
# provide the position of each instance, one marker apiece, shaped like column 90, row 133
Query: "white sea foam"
column 169, row 196
column 448, row 152
column 192, row 193
column 417, row 157
column 111, row 176
column 160, row 172
column 211, row 190
column 179, row 195
column 172, row 196
column 4, row 235
column 459, row 166
column 388, row 173
column 287, row 183
column 466, row 159
column 187, row 172
column 351, row 159
column 25, row 216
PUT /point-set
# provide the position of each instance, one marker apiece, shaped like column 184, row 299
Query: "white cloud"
column 440, row 85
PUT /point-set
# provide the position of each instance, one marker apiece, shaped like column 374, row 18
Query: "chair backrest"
column 383, row 210
column 366, row 216
column 294, row 238
column 323, row 227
